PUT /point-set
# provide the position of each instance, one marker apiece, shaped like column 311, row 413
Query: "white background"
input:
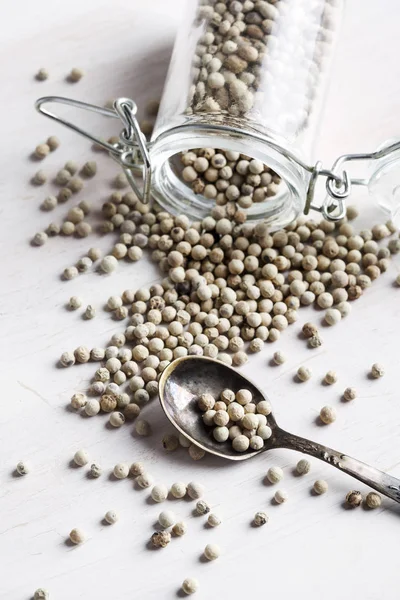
column 312, row 547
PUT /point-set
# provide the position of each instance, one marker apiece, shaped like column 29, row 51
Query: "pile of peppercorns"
column 235, row 416
column 229, row 287
column 225, row 176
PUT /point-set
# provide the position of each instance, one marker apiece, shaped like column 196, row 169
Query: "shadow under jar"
column 244, row 92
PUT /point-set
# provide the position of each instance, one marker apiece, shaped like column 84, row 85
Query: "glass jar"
column 248, row 78
column 246, row 81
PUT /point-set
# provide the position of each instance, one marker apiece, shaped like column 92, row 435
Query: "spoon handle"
column 378, row 480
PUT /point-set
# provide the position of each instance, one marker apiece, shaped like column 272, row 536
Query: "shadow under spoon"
column 186, row 378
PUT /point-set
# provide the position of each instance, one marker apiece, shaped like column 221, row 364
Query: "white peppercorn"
column 320, row 486
column 42, row 75
column 22, row 468
column 121, row 471
column 274, row 474
column 373, row 500
column 159, row 493
column 213, row 520
column 212, row 551
column 108, row 264
column 344, row 308
column 94, row 254
column 303, row 374
column 78, row 401
column 40, row 238
column 40, row 178
column 195, row 490
column 206, row 402
column 260, row 518
column 75, row 75
column 170, row 442
column 41, row 594
column 354, row 498
column 166, row 519
column 333, row 316
column 281, row 496
column 330, row 377
column 142, row 427
column 178, row 490
column 67, row 359
column 90, row 312
column 303, row 467
column 179, row 529
column 92, row 407
column 81, row 457
column 144, row 480
column 327, row 415
column 77, row 536
column 190, row 585
column 264, row 408
column 111, row 517
column 202, row 507
column 41, row 151
column 116, row 419
column 161, row 539
column 279, row 358
column 95, row 470
column 377, row 371
column 349, row 394
column 136, row 469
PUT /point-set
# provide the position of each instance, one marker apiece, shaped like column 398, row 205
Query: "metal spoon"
column 186, row 378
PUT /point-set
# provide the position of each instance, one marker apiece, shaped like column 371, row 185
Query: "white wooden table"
column 312, row 547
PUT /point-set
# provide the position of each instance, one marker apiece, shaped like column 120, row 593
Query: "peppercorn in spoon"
column 189, row 377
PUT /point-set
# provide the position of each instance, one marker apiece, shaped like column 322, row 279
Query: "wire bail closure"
column 131, row 152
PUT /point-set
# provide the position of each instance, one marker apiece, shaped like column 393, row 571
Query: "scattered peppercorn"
column 179, row 529
column 373, row 500
column 95, row 470
column 260, row 518
column 75, row 75
column 349, row 394
column 212, row 551
column 213, row 520
column 22, row 468
column 190, row 586
column 327, row 415
column 81, row 458
column 330, row 377
column 303, row 373
column 41, row 594
column 303, row 467
column 161, row 539
column 77, row 536
column 42, row 75
column 320, row 486
column 354, row 498
column 377, row 371
column 111, row 517
column 41, row 151
column 281, row 496
column 274, row 474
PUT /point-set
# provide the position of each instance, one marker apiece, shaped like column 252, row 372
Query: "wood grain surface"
column 312, row 546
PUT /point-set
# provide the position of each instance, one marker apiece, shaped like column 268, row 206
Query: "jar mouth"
column 174, row 195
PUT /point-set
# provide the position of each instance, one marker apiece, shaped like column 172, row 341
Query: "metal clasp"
column 338, row 186
column 131, row 152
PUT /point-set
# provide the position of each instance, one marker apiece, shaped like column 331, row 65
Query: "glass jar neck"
column 174, row 195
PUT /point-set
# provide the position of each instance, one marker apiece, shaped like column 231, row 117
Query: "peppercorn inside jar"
column 241, row 103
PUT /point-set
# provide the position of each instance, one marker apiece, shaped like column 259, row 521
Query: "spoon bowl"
column 186, row 378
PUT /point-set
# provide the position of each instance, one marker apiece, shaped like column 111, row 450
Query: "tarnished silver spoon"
column 186, row 378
